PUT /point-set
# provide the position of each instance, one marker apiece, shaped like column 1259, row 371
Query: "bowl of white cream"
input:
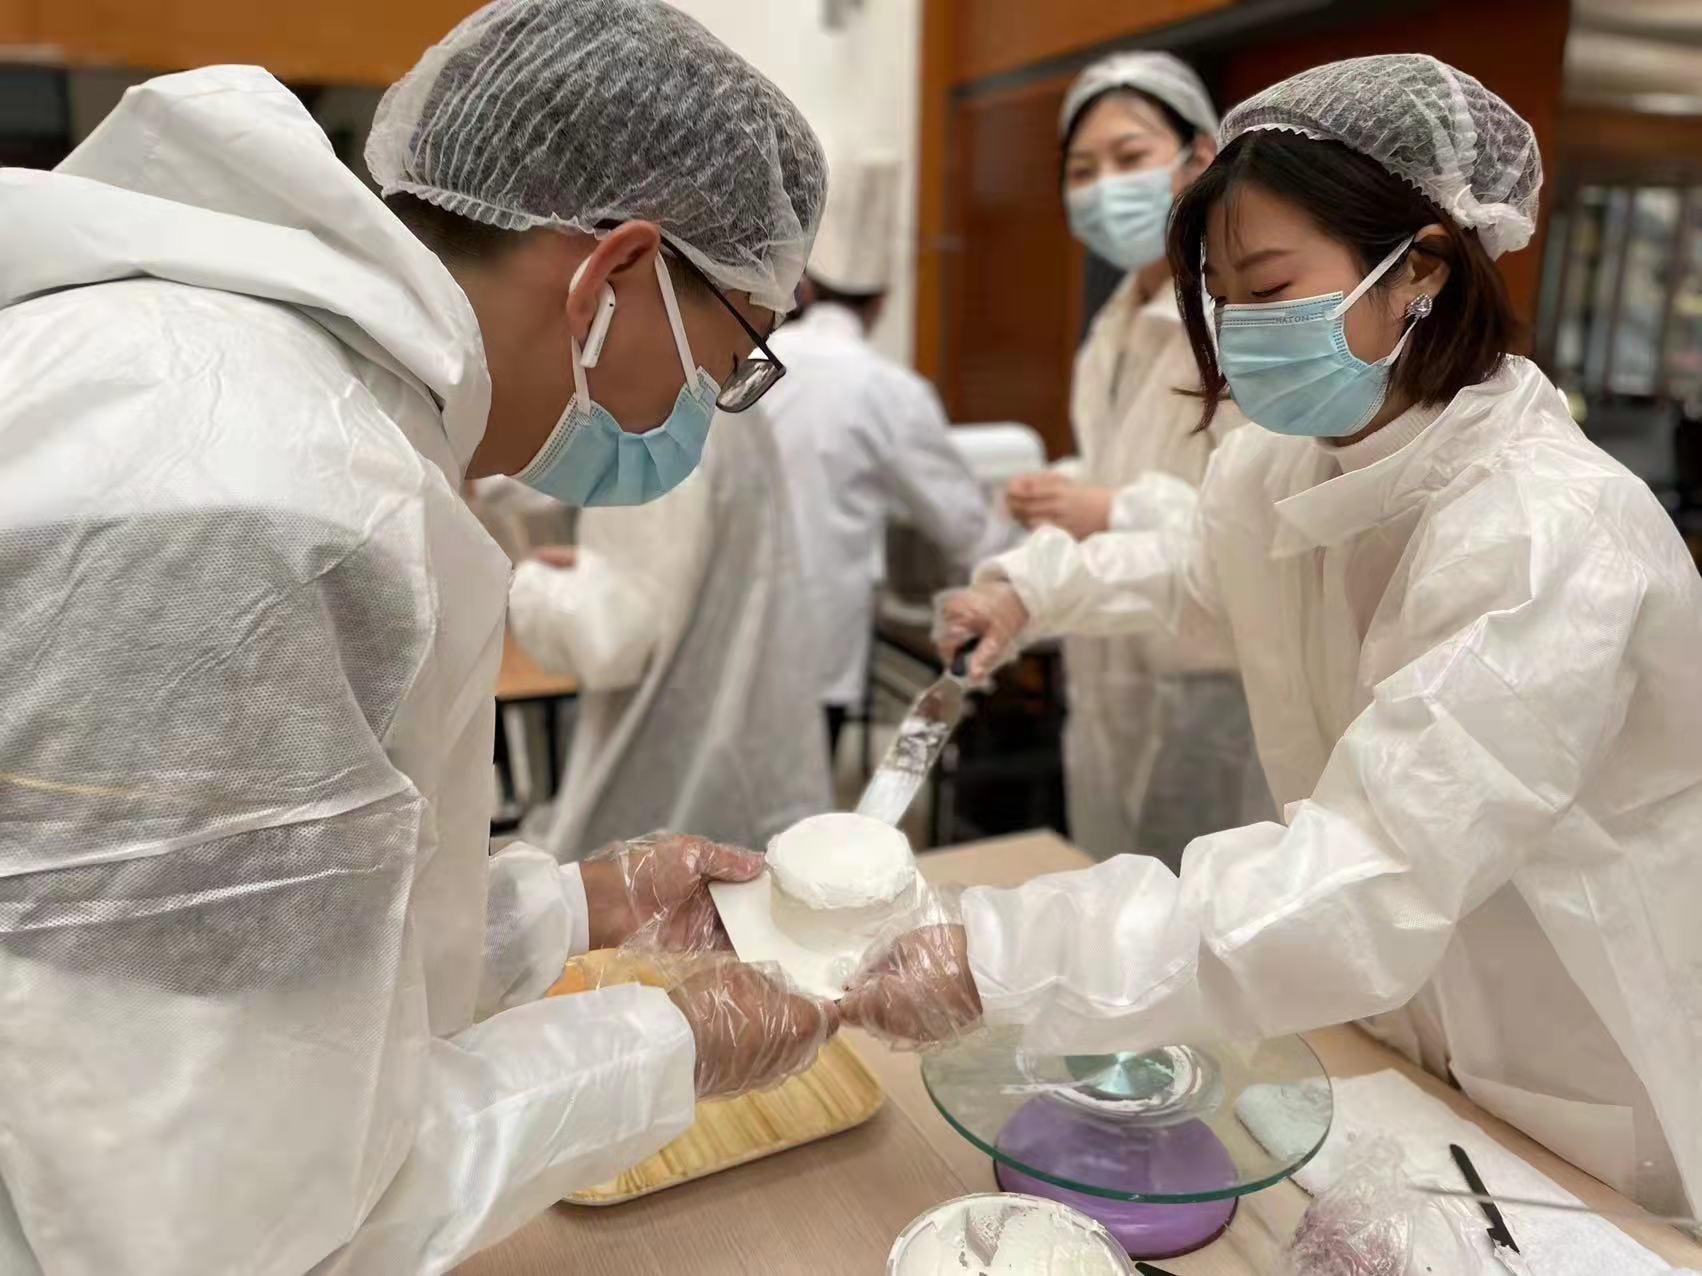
column 1006, row 1234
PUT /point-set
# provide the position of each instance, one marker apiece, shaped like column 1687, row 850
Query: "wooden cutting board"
column 836, row 1094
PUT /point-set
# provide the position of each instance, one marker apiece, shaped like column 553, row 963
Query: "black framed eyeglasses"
column 752, row 377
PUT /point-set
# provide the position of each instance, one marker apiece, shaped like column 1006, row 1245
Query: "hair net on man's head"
column 1429, row 124
column 1160, row 75
column 567, row 113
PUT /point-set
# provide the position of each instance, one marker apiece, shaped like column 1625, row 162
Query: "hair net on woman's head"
column 1160, row 75
column 567, row 113
column 1428, row 124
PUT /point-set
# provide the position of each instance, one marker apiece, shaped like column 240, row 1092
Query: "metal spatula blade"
column 921, row 738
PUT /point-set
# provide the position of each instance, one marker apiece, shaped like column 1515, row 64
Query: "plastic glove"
column 1048, row 499
column 991, row 612
column 653, row 891
column 752, row 1029
column 916, row 989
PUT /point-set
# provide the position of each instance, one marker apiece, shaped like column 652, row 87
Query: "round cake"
column 839, row 875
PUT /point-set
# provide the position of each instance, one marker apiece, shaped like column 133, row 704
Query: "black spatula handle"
column 960, row 662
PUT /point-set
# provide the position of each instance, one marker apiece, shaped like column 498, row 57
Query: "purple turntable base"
column 1185, row 1159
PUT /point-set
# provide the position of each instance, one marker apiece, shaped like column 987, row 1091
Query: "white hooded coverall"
column 683, row 620
column 1475, row 673
column 1157, row 747
column 253, row 1014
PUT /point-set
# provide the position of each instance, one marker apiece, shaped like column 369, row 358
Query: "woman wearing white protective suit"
column 267, row 997
column 681, row 619
column 1158, row 746
column 1470, row 641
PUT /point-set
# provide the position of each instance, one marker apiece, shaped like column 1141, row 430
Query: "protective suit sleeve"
column 535, row 919
column 207, row 931
column 1073, row 468
column 1151, row 503
column 932, row 483
column 1508, row 686
column 521, row 1109
column 639, row 571
column 1159, row 582
column 588, row 621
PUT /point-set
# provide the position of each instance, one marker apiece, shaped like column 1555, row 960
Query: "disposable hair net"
column 1160, row 75
column 1428, row 124
column 567, row 113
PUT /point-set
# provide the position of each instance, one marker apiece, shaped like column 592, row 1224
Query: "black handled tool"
column 960, row 662
column 1498, row 1233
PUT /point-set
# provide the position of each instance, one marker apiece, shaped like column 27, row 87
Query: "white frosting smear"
column 841, row 860
column 1006, row 1235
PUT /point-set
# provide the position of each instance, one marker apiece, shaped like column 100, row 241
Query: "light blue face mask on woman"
column 1289, row 366
column 589, row 460
column 1122, row 218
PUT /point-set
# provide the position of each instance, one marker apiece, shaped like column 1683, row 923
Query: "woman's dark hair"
column 1185, row 132
column 1357, row 202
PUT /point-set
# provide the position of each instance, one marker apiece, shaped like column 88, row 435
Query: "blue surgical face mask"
column 1122, row 218
column 589, row 460
column 1289, row 366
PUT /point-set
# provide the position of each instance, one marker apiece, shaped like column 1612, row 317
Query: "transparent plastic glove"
column 653, row 891
column 1371, row 1223
column 1052, row 500
column 752, row 1029
column 915, row 989
column 992, row 613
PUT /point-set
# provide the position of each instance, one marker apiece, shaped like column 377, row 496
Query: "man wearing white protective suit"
column 267, row 998
column 683, row 621
column 1470, row 640
column 1158, row 747
column 863, row 438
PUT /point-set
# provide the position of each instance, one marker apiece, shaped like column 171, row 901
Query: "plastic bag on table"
column 1371, row 1222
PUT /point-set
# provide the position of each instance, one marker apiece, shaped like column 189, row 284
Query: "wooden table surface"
column 833, row 1208
column 520, row 679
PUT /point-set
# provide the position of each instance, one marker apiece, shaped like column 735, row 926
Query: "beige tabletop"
column 833, row 1208
column 520, row 678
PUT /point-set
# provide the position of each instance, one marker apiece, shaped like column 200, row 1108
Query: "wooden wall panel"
column 19, row 22
column 1013, row 292
column 1006, row 35
column 1516, row 47
column 1602, row 143
column 933, row 184
column 323, row 41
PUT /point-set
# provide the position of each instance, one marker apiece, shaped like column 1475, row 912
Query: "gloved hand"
column 916, row 989
column 1046, row 499
column 992, row 612
column 752, row 1030
column 653, row 891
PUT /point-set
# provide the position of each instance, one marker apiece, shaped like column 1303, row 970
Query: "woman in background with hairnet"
column 267, row 1004
column 1158, row 746
column 1470, row 641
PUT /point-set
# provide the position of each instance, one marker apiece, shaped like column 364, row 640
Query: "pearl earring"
column 1419, row 306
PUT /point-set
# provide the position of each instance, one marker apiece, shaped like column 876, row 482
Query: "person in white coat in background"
column 1158, row 747
column 1469, row 636
column 268, row 998
column 683, row 621
column 863, row 438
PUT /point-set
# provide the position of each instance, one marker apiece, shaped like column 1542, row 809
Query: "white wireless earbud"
column 599, row 333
